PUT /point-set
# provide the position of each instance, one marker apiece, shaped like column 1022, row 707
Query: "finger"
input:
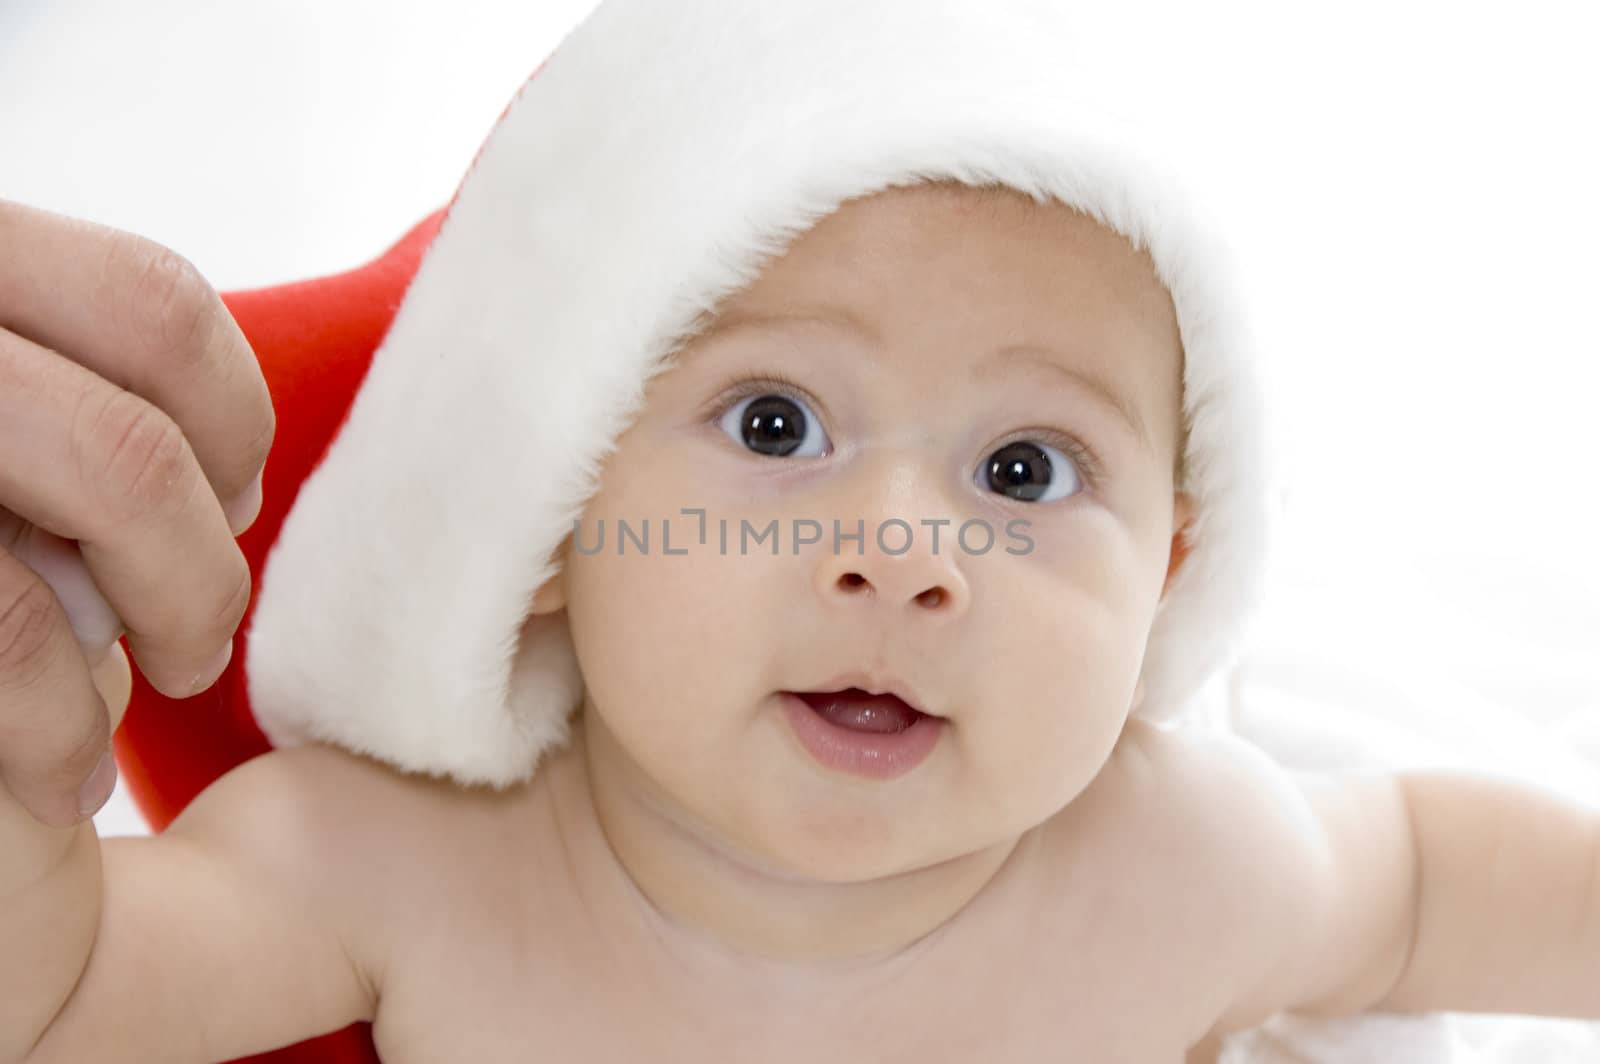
column 87, row 461
column 54, row 728
column 142, row 317
column 113, row 678
column 59, row 563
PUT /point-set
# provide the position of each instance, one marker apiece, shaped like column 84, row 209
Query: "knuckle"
column 71, row 750
column 90, row 742
column 12, row 528
column 259, row 446
column 171, row 302
column 28, row 643
column 138, row 457
column 235, row 602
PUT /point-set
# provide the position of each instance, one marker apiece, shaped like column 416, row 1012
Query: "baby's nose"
column 894, row 565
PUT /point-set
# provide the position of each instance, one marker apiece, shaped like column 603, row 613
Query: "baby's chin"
column 812, row 860
column 836, row 841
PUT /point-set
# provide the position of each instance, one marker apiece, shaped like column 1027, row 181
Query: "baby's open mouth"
column 857, row 710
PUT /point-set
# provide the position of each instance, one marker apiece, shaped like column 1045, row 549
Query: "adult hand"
column 134, row 425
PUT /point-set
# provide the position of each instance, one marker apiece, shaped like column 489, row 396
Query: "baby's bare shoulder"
column 1297, row 883
column 1205, row 845
column 394, row 844
column 1194, row 791
column 437, row 832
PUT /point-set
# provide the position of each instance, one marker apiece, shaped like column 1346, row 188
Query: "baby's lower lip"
column 880, row 755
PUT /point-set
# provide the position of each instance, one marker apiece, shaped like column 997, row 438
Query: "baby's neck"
column 718, row 911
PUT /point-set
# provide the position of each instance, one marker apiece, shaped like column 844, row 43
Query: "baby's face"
column 935, row 346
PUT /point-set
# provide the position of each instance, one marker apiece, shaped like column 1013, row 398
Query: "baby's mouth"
column 857, row 710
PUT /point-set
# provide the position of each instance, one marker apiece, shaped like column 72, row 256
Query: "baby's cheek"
column 653, row 621
column 1066, row 675
column 619, row 602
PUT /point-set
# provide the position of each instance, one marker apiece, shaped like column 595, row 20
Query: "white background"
column 1410, row 187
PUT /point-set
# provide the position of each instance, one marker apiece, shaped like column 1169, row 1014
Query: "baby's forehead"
column 881, row 243
column 940, row 265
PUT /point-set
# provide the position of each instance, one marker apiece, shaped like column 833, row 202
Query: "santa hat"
column 444, row 413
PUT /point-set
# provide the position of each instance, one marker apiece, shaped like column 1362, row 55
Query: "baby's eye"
column 1026, row 470
column 776, row 426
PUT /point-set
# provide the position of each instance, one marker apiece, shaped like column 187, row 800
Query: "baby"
column 882, row 798
column 703, row 873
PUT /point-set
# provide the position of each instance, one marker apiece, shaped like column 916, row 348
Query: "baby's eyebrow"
column 1035, row 359
column 1038, row 360
column 826, row 317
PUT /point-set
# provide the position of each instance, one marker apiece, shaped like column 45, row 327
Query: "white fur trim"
column 662, row 155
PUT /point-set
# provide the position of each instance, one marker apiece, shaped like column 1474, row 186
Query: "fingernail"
column 96, row 790
column 97, row 655
column 243, row 510
column 60, row 563
column 213, row 672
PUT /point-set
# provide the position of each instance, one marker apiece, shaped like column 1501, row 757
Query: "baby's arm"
column 237, row 930
column 1424, row 891
column 1508, row 912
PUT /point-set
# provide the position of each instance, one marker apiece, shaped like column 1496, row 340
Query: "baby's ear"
column 552, row 594
column 1182, row 514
